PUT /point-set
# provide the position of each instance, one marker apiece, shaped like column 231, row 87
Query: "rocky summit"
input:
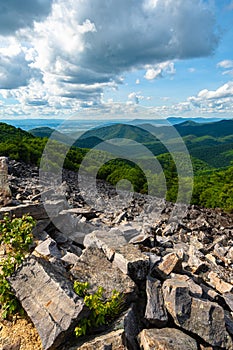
column 172, row 263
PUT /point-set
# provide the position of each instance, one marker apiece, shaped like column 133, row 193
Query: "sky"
column 121, row 59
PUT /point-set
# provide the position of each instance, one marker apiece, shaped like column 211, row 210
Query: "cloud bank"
column 75, row 49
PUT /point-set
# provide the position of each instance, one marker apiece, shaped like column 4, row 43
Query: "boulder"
column 155, row 312
column 201, row 317
column 114, row 340
column 49, row 300
column 48, row 248
column 166, row 339
column 170, row 262
column 107, row 241
column 94, row 267
column 131, row 261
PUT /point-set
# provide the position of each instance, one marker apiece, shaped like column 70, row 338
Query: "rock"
column 120, row 217
column 37, row 211
column 195, row 260
column 166, row 339
column 230, row 254
column 15, row 346
column 170, row 262
column 94, row 267
column 131, row 327
column 87, row 213
column 130, row 323
column 49, row 300
column 228, row 297
column 131, row 261
column 70, row 258
column 113, row 340
column 217, row 283
column 201, row 317
column 128, row 231
column 48, row 248
column 39, row 229
column 70, row 226
column 229, row 322
column 107, row 241
column 5, row 192
column 155, row 312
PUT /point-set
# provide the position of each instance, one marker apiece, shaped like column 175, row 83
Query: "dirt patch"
column 19, row 334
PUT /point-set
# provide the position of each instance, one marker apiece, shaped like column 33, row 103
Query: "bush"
column 15, row 239
column 102, row 310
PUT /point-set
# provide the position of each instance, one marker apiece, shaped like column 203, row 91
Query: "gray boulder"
column 49, row 300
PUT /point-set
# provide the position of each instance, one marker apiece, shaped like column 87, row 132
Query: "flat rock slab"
column 39, row 211
column 166, row 339
column 113, row 340
column 131, row 261
column 49, row 300
column 94, row 267
column 107, row 241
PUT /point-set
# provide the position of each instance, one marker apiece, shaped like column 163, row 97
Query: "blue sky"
column 116, row 58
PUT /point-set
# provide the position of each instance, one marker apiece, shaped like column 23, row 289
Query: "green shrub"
column 15, row 239
column 102, row 310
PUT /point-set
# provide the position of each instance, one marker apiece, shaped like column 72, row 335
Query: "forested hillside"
column 211, row 156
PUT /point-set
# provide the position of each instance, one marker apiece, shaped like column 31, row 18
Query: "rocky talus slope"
column 173, row 266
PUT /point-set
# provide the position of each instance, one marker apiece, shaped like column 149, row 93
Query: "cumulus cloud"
column 212, row 101
column 223, row 91
column 93, row 43
column 14, row 67
column 15, row 14
column 160, row 70
column 80, row 48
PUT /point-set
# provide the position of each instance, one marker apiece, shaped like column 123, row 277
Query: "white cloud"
column 83, row 47
column 214, row 101
column 160, row 70
column 225, row 64
column 76, row 49
column 135, row 97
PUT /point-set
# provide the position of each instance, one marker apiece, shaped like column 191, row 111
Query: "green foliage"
column 102, row 310
column 118, row 169
column 15, row 239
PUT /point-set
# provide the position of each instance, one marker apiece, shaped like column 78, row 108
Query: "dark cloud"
column 14, row 72
column 97, row 41
column 16, row 14
column 85, row 46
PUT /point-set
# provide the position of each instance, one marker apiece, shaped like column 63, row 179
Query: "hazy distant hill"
column 173, row 120
column 125, row 131
column 49, row 132
column 217, row 129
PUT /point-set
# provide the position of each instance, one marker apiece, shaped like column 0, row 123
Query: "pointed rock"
column 156, row 312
